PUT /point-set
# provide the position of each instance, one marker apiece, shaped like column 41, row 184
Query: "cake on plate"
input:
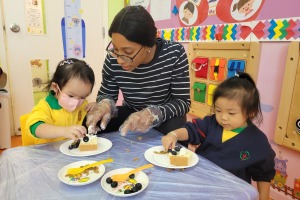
column 180, row 156
column 89, row 143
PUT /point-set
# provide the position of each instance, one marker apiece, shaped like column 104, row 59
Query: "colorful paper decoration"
column 270, row 30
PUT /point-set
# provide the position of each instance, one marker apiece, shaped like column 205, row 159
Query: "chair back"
column 27, row 139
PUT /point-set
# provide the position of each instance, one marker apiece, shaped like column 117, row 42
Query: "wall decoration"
column 40, row 78
column 265, row 30
column 276, row 30
column 281, row 176
column 281, row 23
column 35, row 19
column 238, row 10
column 144, row 3
column 212, row 7
column 164, row 11
column 73, row 30
column 192, row 13
column 227, row 32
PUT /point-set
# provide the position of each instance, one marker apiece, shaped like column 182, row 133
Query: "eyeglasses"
column 123, row 57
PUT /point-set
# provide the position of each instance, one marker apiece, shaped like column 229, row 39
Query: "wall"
column 113, row 8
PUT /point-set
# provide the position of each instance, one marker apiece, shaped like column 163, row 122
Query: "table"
column 30, row 172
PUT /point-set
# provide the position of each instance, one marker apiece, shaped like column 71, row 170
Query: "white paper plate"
column 103, row 145
column 140, row 177
column 85, row 178
column 163, row 160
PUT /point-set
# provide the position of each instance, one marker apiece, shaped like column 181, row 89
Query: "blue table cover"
column 31, row 172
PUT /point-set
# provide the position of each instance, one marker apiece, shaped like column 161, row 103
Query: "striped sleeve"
column 109, row 88
column 164, row 82
column 179, row 103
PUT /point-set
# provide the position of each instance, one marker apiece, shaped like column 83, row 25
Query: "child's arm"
column 263, row 190
column 51, row 131
column 169, row 140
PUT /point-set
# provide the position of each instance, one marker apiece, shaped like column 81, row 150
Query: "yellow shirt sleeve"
column 42, row 112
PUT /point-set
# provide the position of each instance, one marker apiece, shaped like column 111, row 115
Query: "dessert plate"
column 83, row 178
column 118, row 191
column 103, row 145
column 152, row 155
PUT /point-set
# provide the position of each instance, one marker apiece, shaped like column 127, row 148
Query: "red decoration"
column 218, row 36
column 245, row 32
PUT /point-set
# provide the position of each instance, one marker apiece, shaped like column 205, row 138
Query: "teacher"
column 152, row 74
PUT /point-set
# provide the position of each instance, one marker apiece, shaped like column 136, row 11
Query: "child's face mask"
column 68, row 103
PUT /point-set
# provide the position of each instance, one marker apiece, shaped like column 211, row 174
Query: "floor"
column 15, row 141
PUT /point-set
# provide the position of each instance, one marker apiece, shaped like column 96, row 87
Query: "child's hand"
column 74, row 132
column 169, row 141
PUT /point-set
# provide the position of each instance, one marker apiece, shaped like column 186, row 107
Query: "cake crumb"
column 135, row 159
column 170, row 169
column 160, row 152
column 140, row 138
column 127, row 150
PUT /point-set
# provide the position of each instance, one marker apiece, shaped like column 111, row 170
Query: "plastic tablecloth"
column 31, row 172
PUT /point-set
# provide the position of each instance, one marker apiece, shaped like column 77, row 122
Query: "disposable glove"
column 142, row 121
column 103, row 111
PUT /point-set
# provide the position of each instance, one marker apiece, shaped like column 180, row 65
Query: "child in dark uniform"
column 229, row 138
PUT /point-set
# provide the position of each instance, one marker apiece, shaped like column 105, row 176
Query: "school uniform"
column 50, row 112
column 247, row 155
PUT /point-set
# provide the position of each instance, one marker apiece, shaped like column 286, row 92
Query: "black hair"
column 136, row 25
column 243, row 89
column 72, row 68
column 190, row 6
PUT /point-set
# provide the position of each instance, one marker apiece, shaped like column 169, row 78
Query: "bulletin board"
column 287, row 132
column 211, row 63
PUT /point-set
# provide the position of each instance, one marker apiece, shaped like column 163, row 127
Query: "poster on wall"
column 73, row 30
column 156, row 14
column 35, row 19
column 238, row 10
column 144, row 3
column 40, row 78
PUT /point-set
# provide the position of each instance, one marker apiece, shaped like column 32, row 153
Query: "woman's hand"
column 99, row 111
column 140, row 121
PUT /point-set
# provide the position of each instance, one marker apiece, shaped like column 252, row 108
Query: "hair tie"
column 66, row 62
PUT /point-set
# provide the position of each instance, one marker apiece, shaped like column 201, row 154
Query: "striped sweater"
column 164, row 82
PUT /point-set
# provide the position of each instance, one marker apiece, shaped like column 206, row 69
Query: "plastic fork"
column 125, row 176
column 81, row 169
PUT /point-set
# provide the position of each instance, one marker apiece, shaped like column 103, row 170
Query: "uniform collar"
column 52, row 101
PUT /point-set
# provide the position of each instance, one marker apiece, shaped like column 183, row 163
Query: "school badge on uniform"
column 244, row 155
column 79, row 115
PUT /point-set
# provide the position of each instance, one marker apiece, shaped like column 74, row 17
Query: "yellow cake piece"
column 182, row 158
column 91, row 145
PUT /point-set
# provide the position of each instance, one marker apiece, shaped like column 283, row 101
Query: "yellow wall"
column 114, row 6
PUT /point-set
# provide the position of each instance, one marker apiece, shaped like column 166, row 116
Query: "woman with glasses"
column 152, row 74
